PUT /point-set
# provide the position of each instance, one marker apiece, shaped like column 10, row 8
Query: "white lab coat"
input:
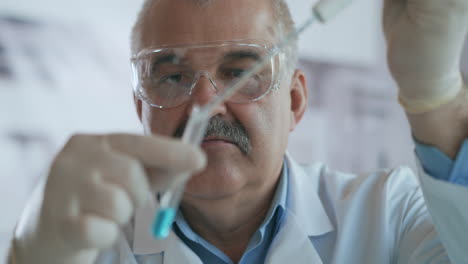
column 377, row 218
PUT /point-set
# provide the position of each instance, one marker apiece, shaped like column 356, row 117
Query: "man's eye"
column 233, row 73
column 172, row 78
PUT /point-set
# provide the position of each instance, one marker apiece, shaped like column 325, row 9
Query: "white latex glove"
column 425, row 40
column 94, row 186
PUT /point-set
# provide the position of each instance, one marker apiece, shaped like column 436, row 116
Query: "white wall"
column 351, row 38
column 358, row 26
column 66, row 79
column 119, row 13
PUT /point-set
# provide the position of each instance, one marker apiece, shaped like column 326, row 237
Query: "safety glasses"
column 167, row 76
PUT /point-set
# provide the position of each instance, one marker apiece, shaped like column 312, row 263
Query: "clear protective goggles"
column 167, row 76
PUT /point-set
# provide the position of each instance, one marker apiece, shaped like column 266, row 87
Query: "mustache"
column 232, row 131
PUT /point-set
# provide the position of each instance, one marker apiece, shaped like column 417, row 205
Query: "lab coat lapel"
column 177, row 252
column 125, row 253
column 305, row 219
column 291, row 245
column 305, row 203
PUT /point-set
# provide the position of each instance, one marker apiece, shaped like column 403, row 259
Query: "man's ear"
column 299, row 98
column 138, row 106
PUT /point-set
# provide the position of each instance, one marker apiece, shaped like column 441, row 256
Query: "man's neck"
column 229, row 223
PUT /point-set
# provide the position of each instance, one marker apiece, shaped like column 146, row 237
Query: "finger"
column 90, row 231
column 123, row 171
column 158, row 151
column 105, row 200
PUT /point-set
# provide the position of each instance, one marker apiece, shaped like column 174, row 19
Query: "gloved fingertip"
column 201, row 160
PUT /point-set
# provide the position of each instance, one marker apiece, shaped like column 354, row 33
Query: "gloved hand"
column 425, row 40
column 94, row 186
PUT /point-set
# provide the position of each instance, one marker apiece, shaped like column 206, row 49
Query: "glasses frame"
column 276, row 62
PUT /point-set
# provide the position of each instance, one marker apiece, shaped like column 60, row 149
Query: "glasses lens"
column 167, row 76
column 254, row 87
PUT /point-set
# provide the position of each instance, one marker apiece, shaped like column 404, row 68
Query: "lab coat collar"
column 306, row 209
column 292, row 244
column 306, row 204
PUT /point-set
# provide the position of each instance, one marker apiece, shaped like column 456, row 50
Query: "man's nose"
column 204, row 91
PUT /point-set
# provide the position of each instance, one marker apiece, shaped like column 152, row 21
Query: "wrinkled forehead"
column 169, row 22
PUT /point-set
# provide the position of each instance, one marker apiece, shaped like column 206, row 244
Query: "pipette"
column 169, row 201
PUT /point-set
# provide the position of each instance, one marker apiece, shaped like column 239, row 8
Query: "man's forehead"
column 173, row 22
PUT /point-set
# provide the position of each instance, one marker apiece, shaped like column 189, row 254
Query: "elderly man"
column 249, row 202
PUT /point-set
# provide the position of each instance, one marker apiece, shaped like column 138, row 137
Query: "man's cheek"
column 162, row 122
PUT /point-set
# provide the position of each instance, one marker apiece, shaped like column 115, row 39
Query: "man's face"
column 266, row 122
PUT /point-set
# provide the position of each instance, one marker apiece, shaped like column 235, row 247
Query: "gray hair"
column 281, row 14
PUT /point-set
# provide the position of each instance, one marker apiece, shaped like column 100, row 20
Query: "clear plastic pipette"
column 169, row 201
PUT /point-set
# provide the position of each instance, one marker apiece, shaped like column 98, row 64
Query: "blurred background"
column 64, row 68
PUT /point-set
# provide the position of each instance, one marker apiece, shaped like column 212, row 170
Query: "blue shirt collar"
column 279, row 202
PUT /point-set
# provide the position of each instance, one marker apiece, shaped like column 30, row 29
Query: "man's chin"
column 221, row 178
